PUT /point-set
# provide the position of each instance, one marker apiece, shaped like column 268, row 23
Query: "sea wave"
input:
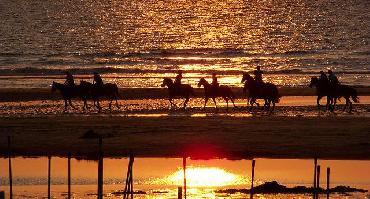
column 207, row 52
column 108, row 70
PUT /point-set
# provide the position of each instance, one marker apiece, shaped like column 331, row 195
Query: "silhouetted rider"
column 323, row 78
column 69, row 80
column 215, row 83
column 98, row 80
column 258, row 75
column 333, row 78
column 178, row 79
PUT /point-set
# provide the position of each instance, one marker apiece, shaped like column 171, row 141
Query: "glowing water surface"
column 160, row 177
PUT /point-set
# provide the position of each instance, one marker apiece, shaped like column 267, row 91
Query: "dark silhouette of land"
column 276, row 188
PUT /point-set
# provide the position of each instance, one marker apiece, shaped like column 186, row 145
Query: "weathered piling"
column 252, row 183
column 69, row 175
column 314, row 178
column 179, row 192
column 49, row 176
column 328, row 182
column 10, row 169
column 318, row 181
column 129, row 185
column 100, row 169
column 131, row 176
column 184, row 169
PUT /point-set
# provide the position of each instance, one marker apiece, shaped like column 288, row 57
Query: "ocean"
column 135, row 43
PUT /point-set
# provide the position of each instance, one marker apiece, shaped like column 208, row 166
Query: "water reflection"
column 160, row 177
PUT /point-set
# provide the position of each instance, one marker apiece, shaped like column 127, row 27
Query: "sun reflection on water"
column 204, row 177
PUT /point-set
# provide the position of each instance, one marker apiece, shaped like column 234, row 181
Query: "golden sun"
column 204, row 177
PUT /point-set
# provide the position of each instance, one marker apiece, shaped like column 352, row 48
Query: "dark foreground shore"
column 196, row 137
column 29, row 94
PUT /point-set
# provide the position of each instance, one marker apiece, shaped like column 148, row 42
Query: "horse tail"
column 355, row 97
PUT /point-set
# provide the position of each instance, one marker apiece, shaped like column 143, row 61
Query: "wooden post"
column 318, row 181
column 129, row 187
column 327, row 182
column 252, row 183
column 69, row 175
column 131, row 175
column 125, row 191
column 100, row 169
column 179, row 192
column 184, row 169
column 49, row 176
column 314, row 178
column 10, row 170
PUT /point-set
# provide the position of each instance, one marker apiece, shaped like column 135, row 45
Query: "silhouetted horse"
column 108, row 90
column 182, row 91
column 210, row 92
column 333, row 93
column 68, row 93
column 266, row 91
column 322, row 90
column 347, row 92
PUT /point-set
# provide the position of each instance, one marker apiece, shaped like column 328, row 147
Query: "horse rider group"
column 330, row 79
column 97, row 82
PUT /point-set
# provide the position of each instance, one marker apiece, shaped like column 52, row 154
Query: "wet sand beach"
column 148, row 128
column 327, row 137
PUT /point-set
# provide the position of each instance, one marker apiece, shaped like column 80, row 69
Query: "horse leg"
column 255, row 101
column 232, row 100
column 327, row 107
column 251, row 102
column 334, row 104
column 350, row 105
column 267, row 104
column 214, row 101
column 110, row 104
column 98, row 105
column 227, row 103
column 70, row 103
column 65, row 105
column 345, row 106
column 117, row 105
column 186, row 101
column 171, row 103
column 273, row 106
column 318, row 102
column 205, row 103
column 85, row 105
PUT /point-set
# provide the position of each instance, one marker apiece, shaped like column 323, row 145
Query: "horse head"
column 246, row 77
column 202, row 81
column 167, row 82
column 314, row 82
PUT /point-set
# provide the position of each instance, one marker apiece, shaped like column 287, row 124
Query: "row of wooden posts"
column 129, row 192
